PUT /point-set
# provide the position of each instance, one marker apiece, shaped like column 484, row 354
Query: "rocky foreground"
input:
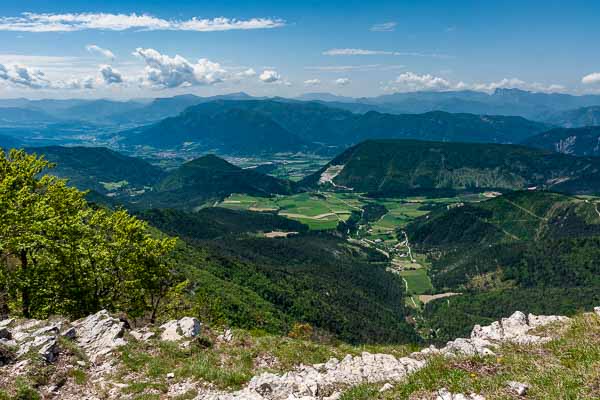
column 88, row 348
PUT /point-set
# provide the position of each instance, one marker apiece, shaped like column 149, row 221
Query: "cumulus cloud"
column 269, row 76
column 367, row 52
column 70, row 22
column 97, row 50
column 170, row 72
column 312, row 82
column 110, row 76
column 31, row 78
column 249, row 73
column 513, row 83
column 412, row 82
column 85, row 83
column 384, row 27
column 20, row 75
column 342, row 81
column 591, row 79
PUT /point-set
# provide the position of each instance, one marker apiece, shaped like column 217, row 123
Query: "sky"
column 155, row 48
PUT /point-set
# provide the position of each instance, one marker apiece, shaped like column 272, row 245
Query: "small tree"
column 61, row 256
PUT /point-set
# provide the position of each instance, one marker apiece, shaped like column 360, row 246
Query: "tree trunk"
column 25, row 299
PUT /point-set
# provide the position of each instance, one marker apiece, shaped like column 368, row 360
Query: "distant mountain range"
column 536, row 106
column 545, row 107
column 580, row 117
column 576, row 141
column 404, row 167
column 255, row 126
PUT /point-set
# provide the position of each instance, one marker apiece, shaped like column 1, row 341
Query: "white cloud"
column 30, row 78
column 249, row 73
column 94, row 49
column 20, row 75
column 384, row 27
column 170, row 72
column 413, row 82
column 110, row 76
column 85, row 83
column 342, row 81
column 269, row 76
column 513, row 83
column 591, row 79
column 312, row 82
column 366, row 52
column 70, row 22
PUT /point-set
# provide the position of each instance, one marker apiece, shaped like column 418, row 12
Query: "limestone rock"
column 176, row 330
column 518, row 388
column 98, row 334
column 444, row 394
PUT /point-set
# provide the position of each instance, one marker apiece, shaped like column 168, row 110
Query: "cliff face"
column 101, row 357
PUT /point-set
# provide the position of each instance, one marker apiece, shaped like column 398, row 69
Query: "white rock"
column 386, row 387
column 518, row 387
column 99, row 334
column 170, row 375
column 142, row 334
column 176, row 330
column 597, row 310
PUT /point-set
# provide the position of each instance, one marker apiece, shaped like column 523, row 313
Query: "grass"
column 417, row 280
column 566, row 368
column 144, row 366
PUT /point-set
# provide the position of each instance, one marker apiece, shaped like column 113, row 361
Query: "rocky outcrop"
column 177, row 330
column 514, row 329
column 99, row 334
column 327, row 381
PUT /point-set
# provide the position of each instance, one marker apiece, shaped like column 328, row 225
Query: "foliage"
column 61, row 256
column 389, row 168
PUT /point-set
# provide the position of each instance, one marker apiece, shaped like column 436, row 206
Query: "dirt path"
column 317, row 217
column 526, row 210
column 426, row 298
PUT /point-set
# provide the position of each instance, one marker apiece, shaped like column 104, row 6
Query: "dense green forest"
column 388, row 168
column 532, row 251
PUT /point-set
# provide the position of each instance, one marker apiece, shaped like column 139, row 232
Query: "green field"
column 417, row 281
column 324, row 210
column 320, row 211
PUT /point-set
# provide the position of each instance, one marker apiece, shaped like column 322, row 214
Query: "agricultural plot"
column 318, row 211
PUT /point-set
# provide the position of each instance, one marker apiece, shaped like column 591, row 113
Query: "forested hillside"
column 576, row 141
column 537, row 251
column 404, row 167
column 268, row 126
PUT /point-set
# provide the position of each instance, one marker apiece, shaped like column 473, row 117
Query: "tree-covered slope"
column 397, row 167
column 575, row 141
column 534, row 251
column 576, row 118
column 90, row 167
column 254, row 126
column 228, row 130
column 214, row 222
column 209, row 178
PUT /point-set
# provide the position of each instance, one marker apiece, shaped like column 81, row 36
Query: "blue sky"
column 125, row 49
